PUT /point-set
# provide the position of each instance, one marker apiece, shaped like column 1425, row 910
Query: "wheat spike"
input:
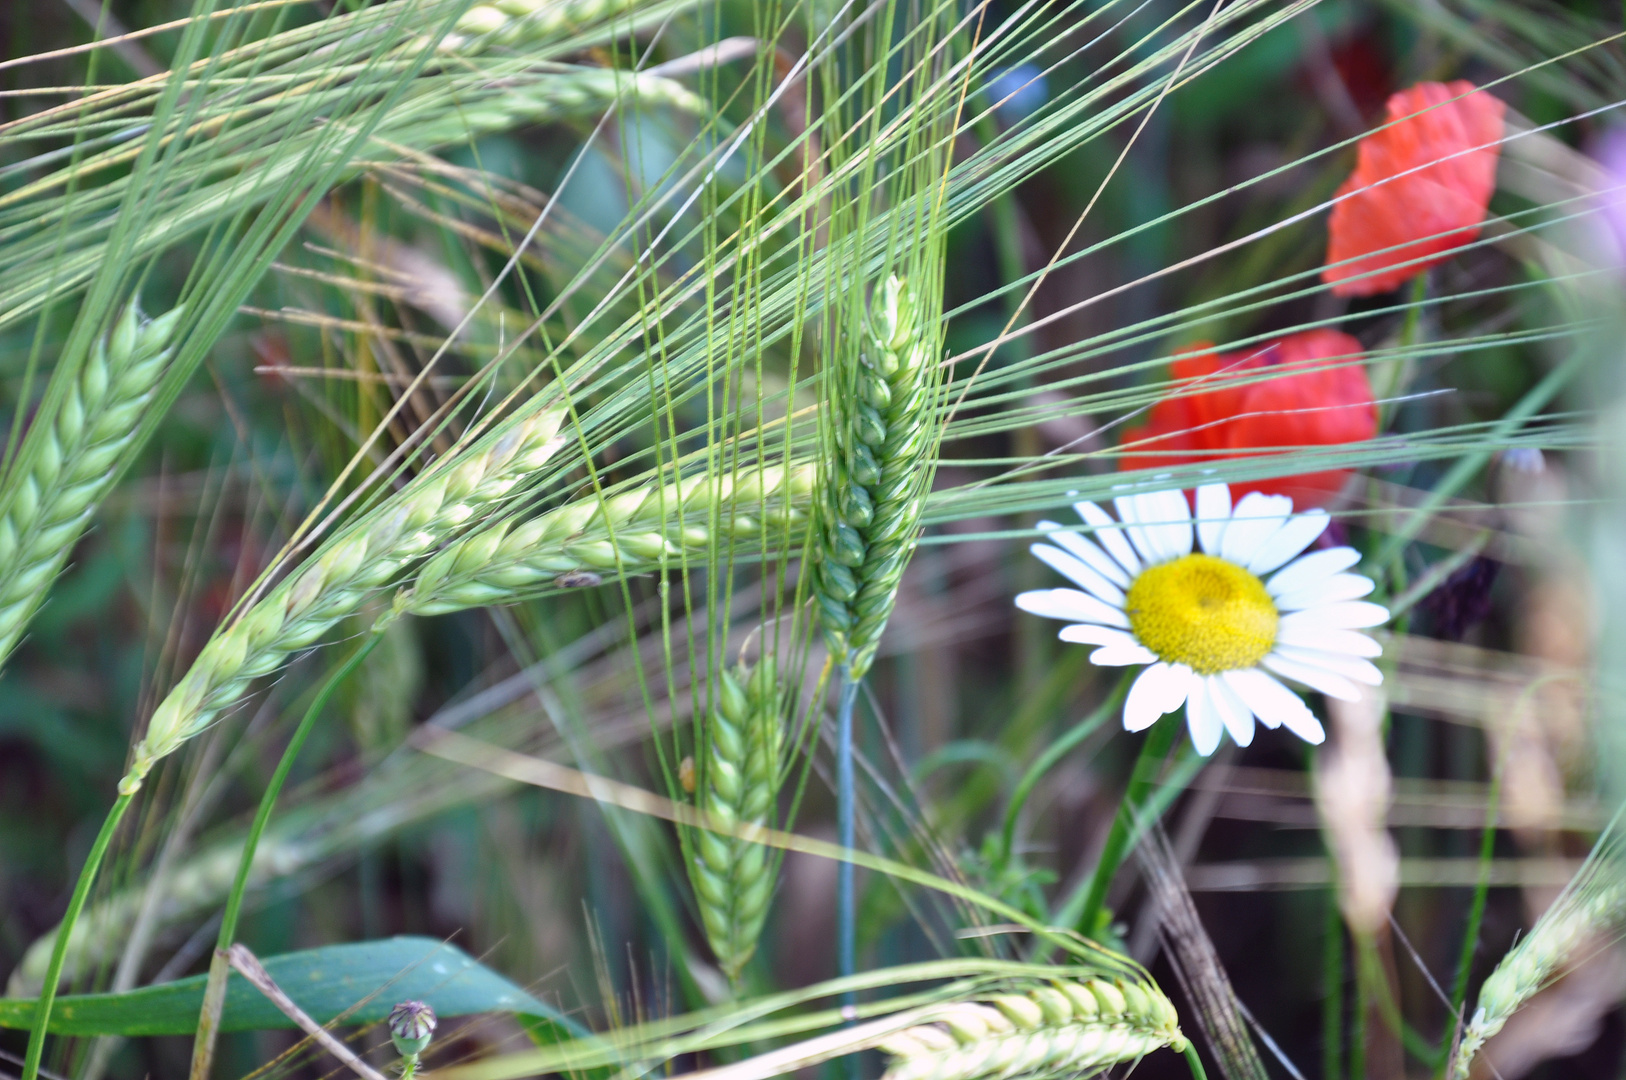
column 733, row 877
column 1067, row 1028
column 631, row 532
column 870, row 511
column 72, row 459
column 1592, row 907
column 334, row 585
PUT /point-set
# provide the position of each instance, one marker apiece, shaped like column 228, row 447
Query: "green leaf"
column 326, row 983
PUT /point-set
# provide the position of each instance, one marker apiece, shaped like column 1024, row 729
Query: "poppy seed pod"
column 412, row 1025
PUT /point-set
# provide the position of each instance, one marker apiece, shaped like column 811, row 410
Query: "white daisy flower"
column 1217, row 626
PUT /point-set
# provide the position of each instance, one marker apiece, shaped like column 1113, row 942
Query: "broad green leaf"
column 362, row 982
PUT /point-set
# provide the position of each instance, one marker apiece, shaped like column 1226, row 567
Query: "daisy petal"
column 1087, row 552
column 1329, row 590
column 1159, row 689
column 1275, row 705
column 1312, row 568
column 1111, row 535
column 1071, row 605
column 1256, row 519
column 1297, row 534
column 1353, row 615
column 1316, row 678
column 1118, row 649
column 1169, row 522
column 1350, row 667
column 1213, row 511
column 1082, row 575
column 1232, row 712
column 1202, row 719
column 1346, row 642
column 1122, row 656
column 1130, row 508
column 1088, row 634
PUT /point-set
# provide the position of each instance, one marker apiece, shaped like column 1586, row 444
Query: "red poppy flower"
column 1427, row 214
column 1322, row 398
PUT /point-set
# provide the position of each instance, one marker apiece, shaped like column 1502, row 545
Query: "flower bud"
column 412, row 1024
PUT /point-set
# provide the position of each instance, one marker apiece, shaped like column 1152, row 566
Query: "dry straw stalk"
column 1067, row 1028
column 335, row 584
column 870, row 511
column 733, row 877
column 71, row 461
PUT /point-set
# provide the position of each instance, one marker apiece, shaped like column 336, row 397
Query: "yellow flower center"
column 1206, row 613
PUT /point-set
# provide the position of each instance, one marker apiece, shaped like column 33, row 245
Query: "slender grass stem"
column 1476, row 915
column 64, row 931
column 1332, row 1009
column 214, row 997
column 846, row 911
column 1054, row 753
column 1152, row 752
column 1195, row 1063
column 1358, row 1021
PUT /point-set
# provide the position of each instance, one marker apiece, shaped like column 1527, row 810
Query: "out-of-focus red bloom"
column 1325, row 400
column 1430, row 212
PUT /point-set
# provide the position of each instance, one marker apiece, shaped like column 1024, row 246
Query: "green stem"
column 1152, row 753
column 1400, row 369
column 1379, row 994
column 214, row 995
column 64, row 931
column 846, row 910
column 1195, row 1063
column 1476, row 914
column 1357, row 1022
column 1332, row 1009
column 1054, row 753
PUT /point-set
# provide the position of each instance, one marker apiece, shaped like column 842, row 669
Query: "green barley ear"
column 884, row 440
column 338, row 581
column 1065, row 1029
column 521, row 23
column 1591, row 908
column 70, row 461
column 634, row 531
column 551, row 96
column 738, row 785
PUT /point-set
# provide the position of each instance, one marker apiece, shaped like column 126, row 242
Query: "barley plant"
column 918, row 539
column 74, row 462
column 1069, row 1027
column 737, row 784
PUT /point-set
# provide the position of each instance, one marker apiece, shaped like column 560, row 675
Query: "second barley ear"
column 738, row 784
column 870, row 508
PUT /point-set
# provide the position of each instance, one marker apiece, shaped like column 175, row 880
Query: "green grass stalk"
column 214, row 995
column 1053, row 754
column 1476, row 915
column 1152, row 753
column 59, row 951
